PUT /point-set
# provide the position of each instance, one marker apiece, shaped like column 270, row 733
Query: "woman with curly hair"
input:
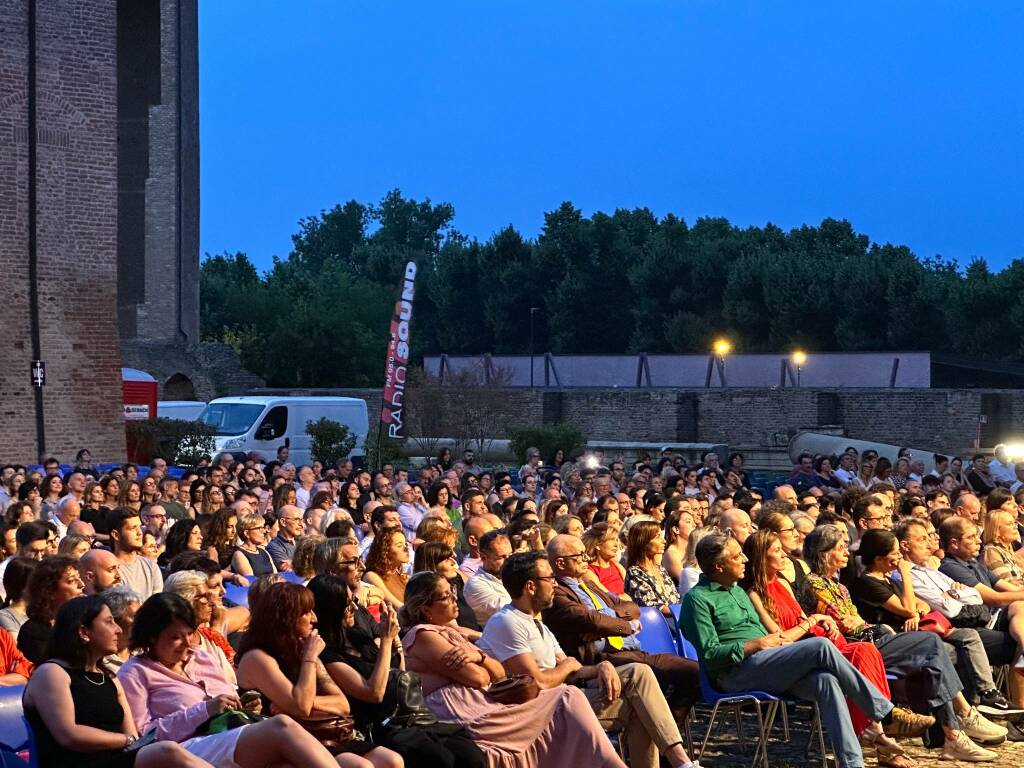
column 283, row 494
column 213, row 499
column 280, row 658
column 302, row 558
column 385, row 566
column 439, row 498
column 111, row 490
column 435, row 528
column 220, row 537
column 53, row 582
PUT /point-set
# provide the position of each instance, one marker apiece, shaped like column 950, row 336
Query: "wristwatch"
column 129, row 740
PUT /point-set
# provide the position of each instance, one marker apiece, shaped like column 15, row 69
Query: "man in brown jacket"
column 592, row 630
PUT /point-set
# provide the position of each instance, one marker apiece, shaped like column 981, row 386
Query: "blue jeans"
column 815, row 671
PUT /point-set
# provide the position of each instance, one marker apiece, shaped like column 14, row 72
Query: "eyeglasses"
column 581, row 555
column 544, row 578
column 451, row 596
column 347, row 563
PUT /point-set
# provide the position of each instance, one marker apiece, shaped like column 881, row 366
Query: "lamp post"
column 721, row 348
column 799, row 358
column 533, row 311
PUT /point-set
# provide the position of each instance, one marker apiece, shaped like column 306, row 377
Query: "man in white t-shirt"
column 627, row 696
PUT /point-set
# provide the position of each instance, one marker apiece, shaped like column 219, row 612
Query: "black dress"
column 96, row 705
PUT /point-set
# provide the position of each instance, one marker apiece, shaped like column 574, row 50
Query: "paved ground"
column 723, row 750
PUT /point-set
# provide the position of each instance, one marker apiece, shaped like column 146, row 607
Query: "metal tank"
column 828, row 445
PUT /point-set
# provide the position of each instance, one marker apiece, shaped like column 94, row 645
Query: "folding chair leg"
column 707, row 733
column 739, row 726
column 817, row 731
column 764, row 724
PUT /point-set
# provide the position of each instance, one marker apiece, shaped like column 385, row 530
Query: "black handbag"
column 971, row 616
column 404, row 697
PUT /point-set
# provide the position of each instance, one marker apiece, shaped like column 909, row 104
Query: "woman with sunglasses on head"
column 251, row 557
column 373, row 694
column 440, row 558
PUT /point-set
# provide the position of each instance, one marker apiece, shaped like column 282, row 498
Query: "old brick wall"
column 76, row 230
column 940, row 419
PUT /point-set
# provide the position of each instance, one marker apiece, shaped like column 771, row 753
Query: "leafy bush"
column 180, row 443
column 547, row 439
column 331, row 441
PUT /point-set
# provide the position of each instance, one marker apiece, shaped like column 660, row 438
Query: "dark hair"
column 116, row 517
column 429, row 554
column 177, row 538
column 710, row 550
column 42, row 586
column 874, row 544
column 340, row 529
column 651, row 500
column 34, row 530
column 64, row 642
column 519, row 569
column 158, row 613
column 434, row 490
column 16, row 577
column 330, row 599
column 193, row 561
column 488, row 539
column 996, row 498
column 469, row 495
column 216, row 533
column 272, row 625
column 377, row 516
column 418, row 593
column 953, row 527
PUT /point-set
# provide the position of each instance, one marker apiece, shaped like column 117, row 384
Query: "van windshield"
column 231, row 418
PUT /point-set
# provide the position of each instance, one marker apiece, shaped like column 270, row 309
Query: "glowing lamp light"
column 799, row 358
column 722, row 347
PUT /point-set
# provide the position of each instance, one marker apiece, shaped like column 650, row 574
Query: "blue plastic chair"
column 292, row 577
column 655, row 633
column 237, row 595
column 16, row 745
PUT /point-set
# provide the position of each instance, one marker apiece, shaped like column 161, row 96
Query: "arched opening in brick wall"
column 179, row 387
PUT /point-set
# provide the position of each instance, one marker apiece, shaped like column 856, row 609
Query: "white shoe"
column 963, row 749
column 982, row 730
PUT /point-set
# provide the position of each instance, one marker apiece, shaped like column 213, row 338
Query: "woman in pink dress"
column 556, row 729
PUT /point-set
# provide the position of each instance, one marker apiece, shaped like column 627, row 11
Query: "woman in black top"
column 78, row 713
column 373, row 696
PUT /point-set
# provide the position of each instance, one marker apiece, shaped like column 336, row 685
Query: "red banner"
column 397, row 363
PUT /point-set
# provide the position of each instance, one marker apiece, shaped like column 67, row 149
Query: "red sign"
column 397, row 364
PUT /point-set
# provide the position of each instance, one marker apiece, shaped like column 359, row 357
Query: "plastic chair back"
column 655, row 634
column 237, row 595
column 292, row 577
column 15, row 736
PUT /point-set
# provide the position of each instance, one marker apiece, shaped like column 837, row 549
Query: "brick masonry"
column 77, row 230
column 937, row 419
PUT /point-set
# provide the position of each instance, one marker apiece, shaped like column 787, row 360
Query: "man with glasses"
column 965, row 609
column 290, row 526
column 154, row 521
column 382, row 489
column 593, row 627
column 31, row 538
column 484, row 592
column 409, row 511
column 624, row 697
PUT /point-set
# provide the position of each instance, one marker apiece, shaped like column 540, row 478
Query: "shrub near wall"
column 548, row 439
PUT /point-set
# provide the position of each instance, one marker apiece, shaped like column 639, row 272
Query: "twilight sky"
column 905, row 118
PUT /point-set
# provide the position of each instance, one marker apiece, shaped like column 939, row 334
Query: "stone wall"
column 76, row 230
column 939, row 419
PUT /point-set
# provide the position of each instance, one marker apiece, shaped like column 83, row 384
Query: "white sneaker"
column 963, row 749
column 982, row 730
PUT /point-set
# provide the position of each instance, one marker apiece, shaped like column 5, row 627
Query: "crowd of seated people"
column 251, row 612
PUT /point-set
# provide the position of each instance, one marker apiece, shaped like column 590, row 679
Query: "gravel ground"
column 723, row 750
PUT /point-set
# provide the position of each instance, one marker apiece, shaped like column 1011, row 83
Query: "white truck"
column 264, row 424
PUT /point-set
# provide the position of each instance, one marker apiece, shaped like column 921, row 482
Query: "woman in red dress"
column 779, row 611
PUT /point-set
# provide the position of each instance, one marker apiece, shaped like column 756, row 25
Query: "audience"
column 802, row 616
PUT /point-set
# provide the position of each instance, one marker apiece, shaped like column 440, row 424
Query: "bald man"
column 475, row 528
column 591, row 629
column 785, row 492
column 99, row 570
column 736, row 523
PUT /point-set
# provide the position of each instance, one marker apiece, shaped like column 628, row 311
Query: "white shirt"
column 933, row 587
column 485, row 594
column 846, row 476
column 1002, row 473
column 510, row 632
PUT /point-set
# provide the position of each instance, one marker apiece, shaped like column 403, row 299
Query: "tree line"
column 607, row 283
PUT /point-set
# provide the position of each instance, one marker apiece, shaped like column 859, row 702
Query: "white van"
column 181, row 410
column 264, row 424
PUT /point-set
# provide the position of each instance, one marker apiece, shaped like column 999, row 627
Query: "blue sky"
column 905, row 118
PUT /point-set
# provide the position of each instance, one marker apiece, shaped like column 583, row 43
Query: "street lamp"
column 799, row 358
column 533, row 311
column 719, row 350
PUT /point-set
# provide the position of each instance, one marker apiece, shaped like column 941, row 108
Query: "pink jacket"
column 173, row 704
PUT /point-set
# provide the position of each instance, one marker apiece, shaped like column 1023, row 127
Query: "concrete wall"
column 942, row 420
column 76, row 230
